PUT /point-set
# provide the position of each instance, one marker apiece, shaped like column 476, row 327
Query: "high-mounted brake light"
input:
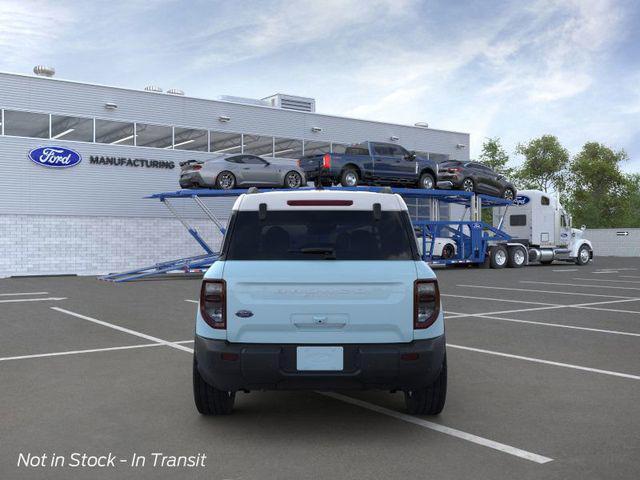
column 213, row 303
column 196, row 167
column 426, row 303
column 326, row 160
column 319, row 203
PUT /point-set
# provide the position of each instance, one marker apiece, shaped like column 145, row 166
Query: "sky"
column 509, row 69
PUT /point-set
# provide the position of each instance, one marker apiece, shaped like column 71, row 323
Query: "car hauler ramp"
column 472, row 237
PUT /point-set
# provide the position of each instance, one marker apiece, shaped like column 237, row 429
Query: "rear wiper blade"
column 329, row 253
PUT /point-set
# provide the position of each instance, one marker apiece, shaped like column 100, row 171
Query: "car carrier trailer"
column 465, row 241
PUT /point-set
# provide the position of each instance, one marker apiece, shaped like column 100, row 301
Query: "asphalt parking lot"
column 544, row 382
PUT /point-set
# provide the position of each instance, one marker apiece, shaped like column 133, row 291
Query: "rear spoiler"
column 189, row 162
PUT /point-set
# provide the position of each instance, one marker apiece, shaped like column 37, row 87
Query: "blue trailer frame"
column 472, row 237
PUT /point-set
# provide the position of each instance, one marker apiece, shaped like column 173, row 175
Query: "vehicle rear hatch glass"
column 314, row 276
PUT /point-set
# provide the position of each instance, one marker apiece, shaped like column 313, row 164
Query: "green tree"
column 494, row 156
column 545, row 164
column 600, row 194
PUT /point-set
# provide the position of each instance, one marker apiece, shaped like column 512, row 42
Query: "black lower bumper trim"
column 393, row 366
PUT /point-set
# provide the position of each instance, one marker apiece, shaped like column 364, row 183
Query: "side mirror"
column 583, row 228
column 411, row 156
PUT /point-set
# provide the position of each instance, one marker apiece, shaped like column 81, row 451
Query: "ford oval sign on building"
column 55, row 157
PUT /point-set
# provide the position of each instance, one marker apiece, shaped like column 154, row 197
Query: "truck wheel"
column 584, row 255
column 429, row 400
column 427, row 182
column 349, row 178
column 209, row 400
column 517, row 257
column 499, row 257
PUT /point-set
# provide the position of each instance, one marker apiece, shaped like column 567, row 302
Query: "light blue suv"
column 319, row 290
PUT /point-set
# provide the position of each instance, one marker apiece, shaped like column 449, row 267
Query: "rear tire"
column 427, row 181
column 468, row 185
column 429, row 400
column 225, row 180
column 517, row 257
column 499, row 257
column 448, row 251
column 209, row 400
column 349, row 178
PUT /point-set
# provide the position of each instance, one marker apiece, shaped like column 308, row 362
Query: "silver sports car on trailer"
column 241, row 170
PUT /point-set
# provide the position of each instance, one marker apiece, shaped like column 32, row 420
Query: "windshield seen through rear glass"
column 320, row 235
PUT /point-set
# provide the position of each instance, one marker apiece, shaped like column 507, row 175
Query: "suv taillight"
column 326, row 160
column 213, row 303
column 426, row 303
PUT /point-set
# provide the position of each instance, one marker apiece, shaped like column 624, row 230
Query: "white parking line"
column 191, row 301
column 581, row 285
column 27, row 293
column 546, row 324
column 497, row 299
column 125, row 330
column 629, row 276
column 469, row 437
column 605, row 280
column 547, row 291
column 566, row 270
column 91, row 350
column 546, row 362
column 48, row 299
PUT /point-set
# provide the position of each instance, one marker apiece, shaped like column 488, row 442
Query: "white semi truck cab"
column 540, row 225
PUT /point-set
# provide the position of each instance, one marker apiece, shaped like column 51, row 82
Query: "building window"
column 287, row 148
column 190, row 139
column 115, row 133
column 225, row 142
column 26, row 124
column 157, row 136
column 71, row 128
column 338, row 147
column 316, row 148
column 257, row 145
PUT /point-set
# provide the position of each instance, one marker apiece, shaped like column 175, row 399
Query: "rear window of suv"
column 320, row 235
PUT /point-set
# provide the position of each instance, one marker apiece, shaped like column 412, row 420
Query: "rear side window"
column 544, row 201
column 518, row 220
column 320, row 235
column 357, row 151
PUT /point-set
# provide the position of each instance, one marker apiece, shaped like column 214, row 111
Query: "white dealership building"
column 91, row 217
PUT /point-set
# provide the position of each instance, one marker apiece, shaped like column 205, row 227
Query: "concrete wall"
column 612, row 242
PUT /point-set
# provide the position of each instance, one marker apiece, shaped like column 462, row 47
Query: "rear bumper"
column 189, row 180
column 273, row 367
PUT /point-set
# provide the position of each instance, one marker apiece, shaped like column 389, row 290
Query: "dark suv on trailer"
column 474, row 177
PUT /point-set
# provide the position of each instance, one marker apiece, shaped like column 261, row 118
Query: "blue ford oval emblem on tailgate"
column 55, row 157
column 244, row 313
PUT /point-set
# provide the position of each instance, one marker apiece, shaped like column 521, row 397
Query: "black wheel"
column 508, row 194
column 448, row 251
column 293, row 180
column 427, row 182
column 584, row 255
column 225, row 180
column 349, row 178
column 209, row 400
column 499, row 257
column 517, row 257
column 429, row 400
column 468, row 185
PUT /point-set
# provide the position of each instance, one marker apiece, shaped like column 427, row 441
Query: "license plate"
column 320, row 358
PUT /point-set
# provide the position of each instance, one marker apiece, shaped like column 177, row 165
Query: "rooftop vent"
column 175, row 91
column 153, row 88
column 44, row 71
column 291, row 102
